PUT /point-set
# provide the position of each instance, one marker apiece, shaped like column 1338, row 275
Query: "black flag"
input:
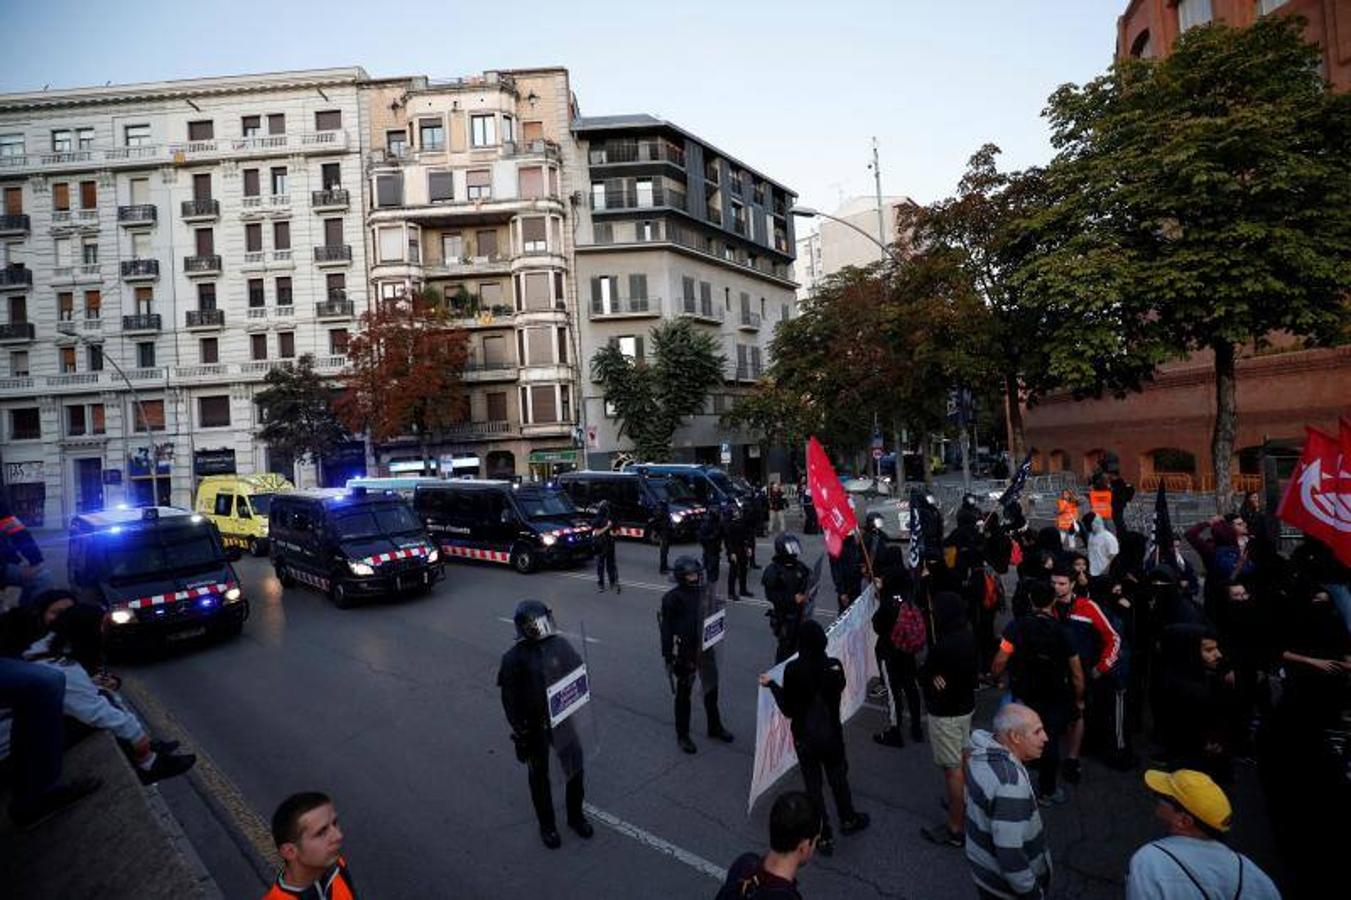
column 1161, row 530
column 1015, row 488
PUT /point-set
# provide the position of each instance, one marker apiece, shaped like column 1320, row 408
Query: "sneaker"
column 1056, row 798
column 686, row 744
column 942, row 834
column 855, row 824
column 550, row 838
column 582, row 827
column 1072, row 771
column 167, row 765
column 58, row 799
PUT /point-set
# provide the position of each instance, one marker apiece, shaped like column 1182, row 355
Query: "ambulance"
column 238, row 505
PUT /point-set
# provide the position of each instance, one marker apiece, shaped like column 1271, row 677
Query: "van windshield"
column 150, row 553
column 375, row 521
column 542, row 505
column 261, row 503
column 722, row 481
column 670, row 489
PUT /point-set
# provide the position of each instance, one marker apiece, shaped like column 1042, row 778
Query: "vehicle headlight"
column 361, row 568
column 233, row 594
column 549, row 540
column 433, row 556
column 122, row 616
column 677, row 518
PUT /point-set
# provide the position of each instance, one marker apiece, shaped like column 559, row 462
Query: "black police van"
column 350, row 543
column 709, row 484
column 636, row 501
column 162, row 574
column 525, row 526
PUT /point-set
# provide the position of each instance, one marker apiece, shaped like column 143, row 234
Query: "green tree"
column 778, row 415
column 296, row 409
column 653, row 399
column 1204, row 201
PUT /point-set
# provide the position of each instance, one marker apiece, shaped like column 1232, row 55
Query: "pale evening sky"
column 795, row 89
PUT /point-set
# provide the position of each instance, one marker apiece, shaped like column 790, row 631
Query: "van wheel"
column 338, row 594
column 255, row 547
column 284, row 574
column 522, row 560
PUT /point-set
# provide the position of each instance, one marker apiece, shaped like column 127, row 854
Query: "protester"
column 794, row 830
column 949, row 681
column 1122, row 494
column 1005, row 845
column 309, row 841
column 1316, row 651
column 1110, row 717
column 810, row 699
column 1193, row 858
column 1102, row 544
column 1222, row 543
column 846, row 571
column 778, row 503
column 1067, row 518
column 1096, row 642
column 602, row 531
column 1193, row 701
column 1245, row 632
column 900, row 630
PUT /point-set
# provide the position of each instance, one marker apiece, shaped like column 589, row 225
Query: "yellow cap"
column 1196, row 793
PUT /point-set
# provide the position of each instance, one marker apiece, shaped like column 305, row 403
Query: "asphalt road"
column 392, row 709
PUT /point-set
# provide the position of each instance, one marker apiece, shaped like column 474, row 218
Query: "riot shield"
column 573, row 730
column 813, row 587
column 712, row 633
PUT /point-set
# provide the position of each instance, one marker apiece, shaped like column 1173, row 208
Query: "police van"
column 710, row 484
column 238, row 505
column 402, row 485
column 351, row 544
column 636, row 501
column 162, row 574
column 524, row 526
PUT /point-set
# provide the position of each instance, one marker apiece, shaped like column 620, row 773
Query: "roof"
column 186, row 87
column 108, row 518
column 470, row 483
column 645, row 122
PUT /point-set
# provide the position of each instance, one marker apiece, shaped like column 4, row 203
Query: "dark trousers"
column 663, row 548
column 1056, row 721
column 541, row 793
column 1106, row 728
column 707, row 670
column 34, row 693
column 712, row 566
column 836, row 771
column 901, row 673
column 605, row 562
column 736, row 574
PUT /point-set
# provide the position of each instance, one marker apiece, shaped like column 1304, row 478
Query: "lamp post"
column 806, row 212
column 126, row 432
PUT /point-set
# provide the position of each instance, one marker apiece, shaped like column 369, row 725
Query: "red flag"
column 832, row 504
column 1318, row 499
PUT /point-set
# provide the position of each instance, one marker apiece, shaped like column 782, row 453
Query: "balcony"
column 15, row 278
column 659, row 196
column 65, row 221
column 140, row 214
column 81, row 273
column 141, row 156
column 538, row 147
column 13, row 225
column 626, row 308
column 479, row 370
column 206, row 318
column 329, row 199
column 141, row 322
column 471, row 430
column 700, row 310
column 333, row 255
column 491, row 264
column 638, row 152
column 17, row 331
column 334, row 308
column 204, row 264
column 201, row 210
column 66, row 326
column 748, row 321
column 140, row 269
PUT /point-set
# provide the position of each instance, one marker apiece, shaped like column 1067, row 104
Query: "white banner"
column 849, row 639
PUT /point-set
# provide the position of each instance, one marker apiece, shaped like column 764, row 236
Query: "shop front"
column 545, row 464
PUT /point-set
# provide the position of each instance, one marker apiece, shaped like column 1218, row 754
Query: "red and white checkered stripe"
column 496, row 556
column 624, row 531
column 581, row 529
column 409, row 553
column 161, row 599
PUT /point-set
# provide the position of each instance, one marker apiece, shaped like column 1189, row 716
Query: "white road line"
column 628, row 829
column 663, row 588
column 589, row 640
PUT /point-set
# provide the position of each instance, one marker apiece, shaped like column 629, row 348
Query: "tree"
column 652, row 400
column 296, row 408
column 1205, row 201
column 780, row 415
column 405, row 372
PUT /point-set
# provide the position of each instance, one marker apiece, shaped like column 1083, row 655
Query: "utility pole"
column 877, row 184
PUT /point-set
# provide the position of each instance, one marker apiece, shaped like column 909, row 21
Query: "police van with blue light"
column 162, row 575
column 636, row 501
column 351, row 544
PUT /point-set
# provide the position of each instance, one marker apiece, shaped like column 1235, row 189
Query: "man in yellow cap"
column 1193, row 861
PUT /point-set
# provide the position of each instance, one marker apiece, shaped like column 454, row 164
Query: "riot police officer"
column 540, row 658
column 661, row 528
column 787, row 581
column 682, row 616
column 739, row 537
column 603, row 533
column 710, row 539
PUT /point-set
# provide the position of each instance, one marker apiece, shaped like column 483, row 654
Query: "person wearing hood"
column 948, row 679
column 1316, row 652
column 1005, row 844
column 846, row 571
column 896, row 649
column 787, row 582
column 1102, row 545
column 1222, row 543
column 1192, row 700
column 810, row 699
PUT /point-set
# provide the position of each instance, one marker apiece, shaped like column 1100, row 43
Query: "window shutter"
column 637, row 286
column 638, row 347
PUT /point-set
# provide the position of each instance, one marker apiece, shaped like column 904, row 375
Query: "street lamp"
column 126, row 432
column 806, row 212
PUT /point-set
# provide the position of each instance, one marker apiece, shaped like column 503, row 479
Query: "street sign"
column 877, row 440
column 725, row 454
column 877, row 453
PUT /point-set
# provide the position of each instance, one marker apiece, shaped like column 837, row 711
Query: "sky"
column 794, row 89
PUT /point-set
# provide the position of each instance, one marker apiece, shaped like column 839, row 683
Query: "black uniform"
column 710, row 538
column 682, row 630
column 527, row 670
column 661, row 527
column 785, row 578
column 738, row 537
column 605, row 550
column 846, row 570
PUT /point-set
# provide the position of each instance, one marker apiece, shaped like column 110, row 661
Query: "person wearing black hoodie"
column 948, row 679
column 1193, row 701
column 898, row 667
column 810, row 699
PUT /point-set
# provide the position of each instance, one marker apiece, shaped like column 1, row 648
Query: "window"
column 145, row 298
column 1191, row 13
column 482, row 131
column 18, row 363
column 201, row 186
column 333, row 233
column 336, row 285
column 391, row 244
column 60, row 196
column 84, row 138
column 396, row 143
column 643, row 192
column 497, row 407
column 208, row 351
column 532, row 131
column 258, row 346
column 203, row 130
column 89, row 194
column 94, row 357
column 136, row 135
column 531, row 182
column 89, row 251
column 213, row 412
column 389, row 190
column 328, row 120
column 646, row 230
column 18, row 309
column 479, row 184
column 337, row 341
column 97, row 423
column 431, row 134
column 225, row 504
column 67, row 360
column 630, row 345
column 783, row 313
column 11, row 145
column 251, row 126
column 145, row 355
column 533, row 235
column 490, row 293
column 74, row 421
column 284, row 290
column 535, row 290
column 330, row 175
column 206, row 296
column 278, row 180
column 65, row 306
column 440, row 186
column 251, row 185
column 255, row 293
column 25, row 424
column 562, row 346
column 253, row 237
column 140, row 245
column 276, row 123
column 281, row 235
column 148, row 412
column 539, row 346
column 452, row 248
column 543, row 403
column 598, row 195
column 485, row 244
column 286, row 344
column 638, row 286
column 62, row 252
column 603, row 232
column 508, row 129
column 205, row 239
column 61, row 141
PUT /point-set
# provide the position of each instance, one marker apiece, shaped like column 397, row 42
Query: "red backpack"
column 909, row 635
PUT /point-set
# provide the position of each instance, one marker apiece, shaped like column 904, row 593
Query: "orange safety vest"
column 1066, row 514
column 336, row 884
column 1101, row 502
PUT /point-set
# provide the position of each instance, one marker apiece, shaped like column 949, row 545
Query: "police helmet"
column 874, row 521
column 603, row 508
column 787, row 544
column 686, row 566
column 534, row 621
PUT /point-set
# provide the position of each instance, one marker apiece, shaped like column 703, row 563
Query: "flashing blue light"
column 122, row 506
column 206, row 602
column 116, row 529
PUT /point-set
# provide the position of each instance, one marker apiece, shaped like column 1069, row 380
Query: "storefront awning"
column 542, row 457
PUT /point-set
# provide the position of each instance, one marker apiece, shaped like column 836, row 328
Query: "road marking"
column 628, row 829
column 663, row 588
column 589, row 640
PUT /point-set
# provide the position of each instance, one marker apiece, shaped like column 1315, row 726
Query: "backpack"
column 909, row 634
column 993, row 597
column 1040, row 670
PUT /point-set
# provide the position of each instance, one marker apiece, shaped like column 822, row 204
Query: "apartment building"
column 673, row 227
column 835, row 245
column 472, row 184
column 162, row 246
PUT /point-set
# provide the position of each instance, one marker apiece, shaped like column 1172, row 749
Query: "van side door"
column 491, row 508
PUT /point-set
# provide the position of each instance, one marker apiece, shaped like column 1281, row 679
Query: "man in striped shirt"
column 1005, row 844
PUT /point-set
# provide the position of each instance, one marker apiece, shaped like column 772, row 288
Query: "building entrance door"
column 88, row 485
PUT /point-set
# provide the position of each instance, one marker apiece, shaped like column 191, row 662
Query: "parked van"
column 162, row 574
column 709, row 484
column 351, row 544
column 401, row 485
column 239, row 505
column 636, row 501
column 525, row 526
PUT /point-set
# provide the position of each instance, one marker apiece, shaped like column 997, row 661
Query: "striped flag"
column 916, row 528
